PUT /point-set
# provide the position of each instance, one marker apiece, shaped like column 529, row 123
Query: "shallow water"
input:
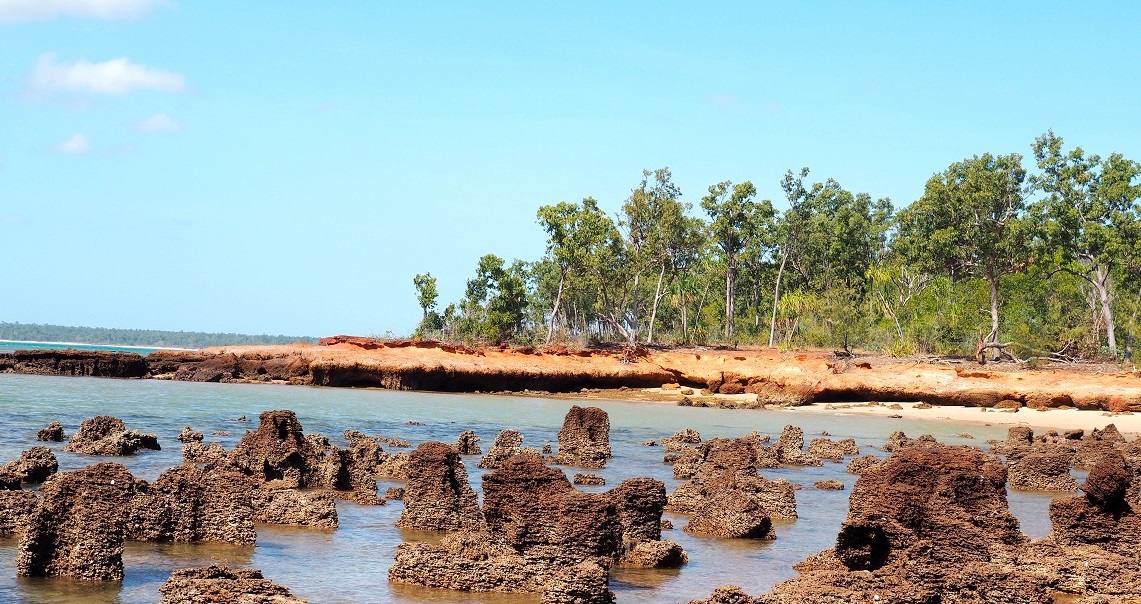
column 351, row 564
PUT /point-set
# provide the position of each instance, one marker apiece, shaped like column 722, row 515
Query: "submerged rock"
column 583, row 583
column 584, row 439
column 656, row 554
column 588, row 479
column 438, row 497
column 189, row 435
column 789, row 448
column 222, row 585
column 833, row 450
column 108, row 436
column 78, row 529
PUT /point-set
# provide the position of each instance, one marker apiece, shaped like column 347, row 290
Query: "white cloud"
column 76, row 145
column 159, row 123
column 17, row 11
column 116, row 76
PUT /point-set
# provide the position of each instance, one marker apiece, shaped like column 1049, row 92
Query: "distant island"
column 32, row 332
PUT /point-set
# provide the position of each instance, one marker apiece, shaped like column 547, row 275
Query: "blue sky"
column 288, row 167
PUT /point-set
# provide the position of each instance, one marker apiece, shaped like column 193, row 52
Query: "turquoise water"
column 8, row 346
column 351, row 564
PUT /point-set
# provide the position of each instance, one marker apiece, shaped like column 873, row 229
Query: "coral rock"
column 656, row 554
column 222, row 585
column 507, row 443
column 584, row 439
column 438, row 497
column 187, row 504
column 291, row 506
column 34, row 465
column 468, row 443
column 52, row 433
column 588, row 479
column 105, row 435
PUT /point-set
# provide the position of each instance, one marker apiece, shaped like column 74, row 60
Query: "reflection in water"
column 351, row 563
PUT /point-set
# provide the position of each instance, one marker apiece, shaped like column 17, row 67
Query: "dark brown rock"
column 832, row 485
column 189, row 435
column 196, row 452
column 728, row 594
column 1041, row 469
column 583, row 583
column 640, row 505
column 313, row 508
column 278, row 450
column 656, row 554
column 790, row 448
column 859, row 464
column 52, row 433
column 78, row 529
column 584, row 439
column 16, row 507
column 34, row 466
column 222, row 585
column 468, row 443
column 514, row 494
column 438, row 497
column 588, row 479
column 507, row 443
column 188, row 504
column 832, row 450
column 728, row 514
column 105, row 435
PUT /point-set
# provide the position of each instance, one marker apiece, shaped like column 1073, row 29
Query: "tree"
column 736, row 219
column 1088, row 208
column 970, row 223
column 426, row 293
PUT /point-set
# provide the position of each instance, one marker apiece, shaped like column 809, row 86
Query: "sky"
column 288, row 167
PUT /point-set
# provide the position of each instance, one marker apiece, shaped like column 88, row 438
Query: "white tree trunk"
column 776, row 299
column 657, row 300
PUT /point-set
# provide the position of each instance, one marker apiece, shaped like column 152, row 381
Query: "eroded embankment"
column 774, row 378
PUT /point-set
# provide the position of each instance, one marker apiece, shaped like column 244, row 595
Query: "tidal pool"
column 350, row 564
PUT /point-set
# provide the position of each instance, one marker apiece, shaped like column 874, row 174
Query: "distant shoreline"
column 133, row 347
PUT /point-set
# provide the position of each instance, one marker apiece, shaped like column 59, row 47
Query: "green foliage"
column 836, row 268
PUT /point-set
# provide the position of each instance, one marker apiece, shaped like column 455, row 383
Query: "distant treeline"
column 31, row 332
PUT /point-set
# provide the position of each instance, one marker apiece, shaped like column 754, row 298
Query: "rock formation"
column 222, row 585
column 105, row 435
column 278, row 451
column 507, row 443
column 588, row 479
column 468, row 443
column 34, row 465
column 832, row 450
column 313, row 508
column 188, row 504
column 1046, row 469
column 790, row 448
column 53, row 433
column 16, row 504
column 859, row 464
column 541, row 536
column 196, row 452
column 656, row 554
column 640, row 505
column 78, row 529
column 438, row 497
column 584, row 439
column 189, row 435
column 729, row 466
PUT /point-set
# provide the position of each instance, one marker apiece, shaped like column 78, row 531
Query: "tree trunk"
column 730, row 286
column 558, row 300
column 632, row 334
column 776, row 299
column 1102, row 286
column 657, row 300
column 994, row 314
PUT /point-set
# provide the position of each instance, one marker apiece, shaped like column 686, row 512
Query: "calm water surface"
column 351, row 564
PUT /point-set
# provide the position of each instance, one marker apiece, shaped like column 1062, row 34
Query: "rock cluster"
column 78, row 528
column 105, row 435
column 313, row 508
column 789, row 448
column 278, row 451
column 542, row 536
column 222, row 585
column 438, row 497
column 726, row 496
column 1046, row 469
column 188, row 435
column 584, row 439
column 859, row 464
column 16, row 504
column 53, row 433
